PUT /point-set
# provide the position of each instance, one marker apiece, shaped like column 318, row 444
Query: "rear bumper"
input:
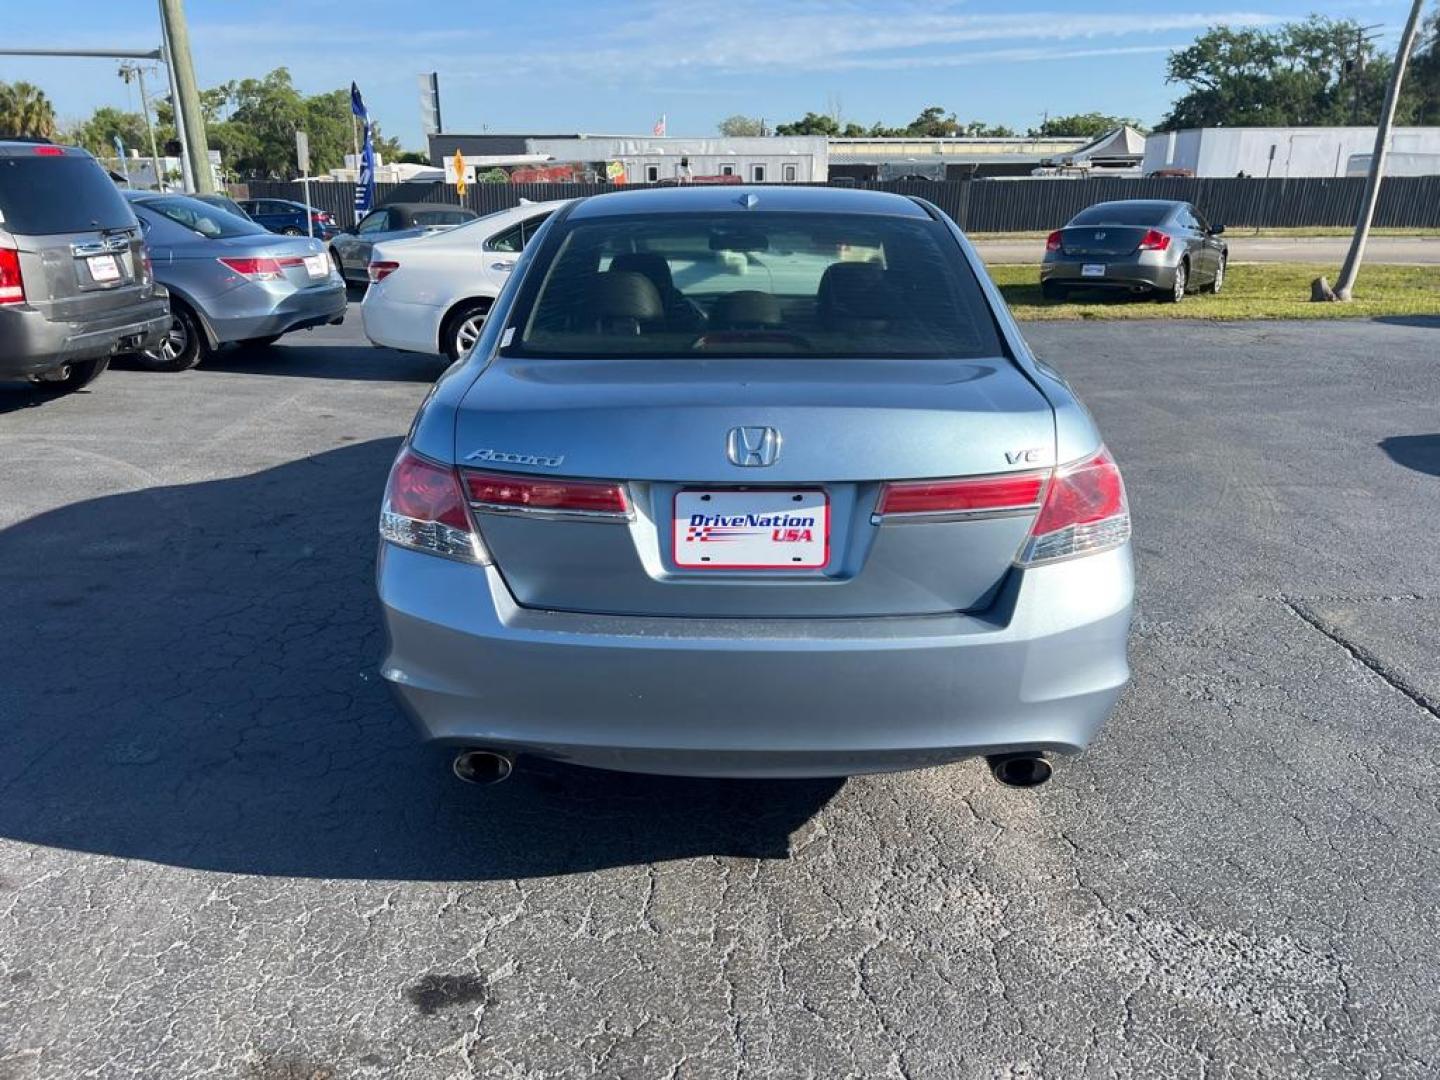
column 1128, row 273
column 757, row 697
column 263, row 313
column 30, row 344
column 392, row 324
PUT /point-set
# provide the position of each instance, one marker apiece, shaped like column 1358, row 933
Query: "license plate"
column 1092, row 270
column 752, row 530
column 317, row 266
column 103, row 268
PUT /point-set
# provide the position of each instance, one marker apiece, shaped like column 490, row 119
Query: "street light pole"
column 187, row 103
column 1351, row 268
column 186, row 181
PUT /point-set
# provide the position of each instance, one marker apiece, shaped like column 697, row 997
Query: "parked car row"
column 88, row 272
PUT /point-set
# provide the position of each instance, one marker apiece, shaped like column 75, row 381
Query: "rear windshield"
column 53, row 193
column 1123, row 213
column 753, row 283
column 209, row 221
column 430, row 218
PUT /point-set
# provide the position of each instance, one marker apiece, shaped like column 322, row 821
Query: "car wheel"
column 463, row 328
column 259, row 342
column 74, row 376
column 182, row 347
column 1219, row 282
column 291, row 230
column 1182, row 279
column 1053, row 290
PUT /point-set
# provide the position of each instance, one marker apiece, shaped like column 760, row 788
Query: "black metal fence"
column 1003, row 205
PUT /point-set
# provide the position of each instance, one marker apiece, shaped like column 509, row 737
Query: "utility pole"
column 127, row 70
column 1351, row 268
column 187, row 103
column 1363, row 37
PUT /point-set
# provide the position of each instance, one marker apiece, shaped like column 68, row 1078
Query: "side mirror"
column 1216, row 230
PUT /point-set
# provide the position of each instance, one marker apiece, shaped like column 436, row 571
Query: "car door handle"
column 506, row 266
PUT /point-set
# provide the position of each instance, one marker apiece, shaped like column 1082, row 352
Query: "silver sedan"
column 230, row 280
column 754, row 482
column 1135, row 246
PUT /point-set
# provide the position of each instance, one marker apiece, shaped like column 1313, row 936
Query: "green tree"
column 97, row 134
column 1089, row 125
column 810, row 124
column 737, row 126
column 1306, row 73
column 1422, row 81
column 25, row 112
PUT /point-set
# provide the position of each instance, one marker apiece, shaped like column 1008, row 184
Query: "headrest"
column 648, row 263
column 622, row 294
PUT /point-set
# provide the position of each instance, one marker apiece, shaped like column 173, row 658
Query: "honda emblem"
column 753, row 446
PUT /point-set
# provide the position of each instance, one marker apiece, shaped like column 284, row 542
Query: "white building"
column 1276, row 152
column 757, row 160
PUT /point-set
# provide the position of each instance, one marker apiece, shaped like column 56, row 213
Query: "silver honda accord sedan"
column 754, row 482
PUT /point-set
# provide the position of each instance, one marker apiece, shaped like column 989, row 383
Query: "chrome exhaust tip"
column 1020, row 770
column 483, row 766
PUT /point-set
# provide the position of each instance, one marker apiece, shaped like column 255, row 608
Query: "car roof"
column 738, row 198
column 423, row 207
column 1158, row 204
column 27, row 147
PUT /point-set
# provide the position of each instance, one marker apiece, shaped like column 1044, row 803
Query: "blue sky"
column 579, row 65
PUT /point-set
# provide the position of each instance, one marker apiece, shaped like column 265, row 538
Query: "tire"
column 1053, row 290
column 291, row 230
column 259, row 342
column 462, row 328
column 1219, row 281
column 183, row 346
column 78, row 375
column 1182, row 280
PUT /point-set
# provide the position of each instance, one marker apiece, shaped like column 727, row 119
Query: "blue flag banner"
column 365, row 182
column 365, row 178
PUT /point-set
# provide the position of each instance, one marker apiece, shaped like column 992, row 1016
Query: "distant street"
column 1397, row 250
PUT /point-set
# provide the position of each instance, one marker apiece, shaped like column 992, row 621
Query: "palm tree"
column 25, row 111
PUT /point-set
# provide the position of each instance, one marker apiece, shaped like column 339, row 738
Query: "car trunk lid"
column 1102, row 239
column 663, row 429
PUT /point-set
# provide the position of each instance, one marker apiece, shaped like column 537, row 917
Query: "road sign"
column 302, row 151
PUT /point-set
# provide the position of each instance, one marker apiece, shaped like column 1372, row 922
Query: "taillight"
column 147, row 267
column 1085, row 512
column 262, row 268
column 50, row 151
column 974, row 495
column 1154, row 240
column 1054, row 242
column 12, row 282
column 543, row 495
column 380, row 270
column 424, row 509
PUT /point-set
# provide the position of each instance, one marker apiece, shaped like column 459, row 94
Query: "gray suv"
column 76, row 285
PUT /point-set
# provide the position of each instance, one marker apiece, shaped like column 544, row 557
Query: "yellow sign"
column 615, row 172
column 459, row 173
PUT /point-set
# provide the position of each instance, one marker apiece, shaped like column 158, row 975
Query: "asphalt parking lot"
column 223, row 854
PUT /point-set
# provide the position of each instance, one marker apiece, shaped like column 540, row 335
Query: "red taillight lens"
column 544, row 494
column 380, row 270
column 986, row 494
column 261, row 269
column 424, row 509
column 1085, row 511
column 1054, row 242
column 1154, row 240
column 12, row 282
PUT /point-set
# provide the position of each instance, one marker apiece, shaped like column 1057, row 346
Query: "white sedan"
column 431, row 294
